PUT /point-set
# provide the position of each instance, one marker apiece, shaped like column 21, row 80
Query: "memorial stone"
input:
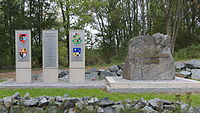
column 149, row 58
column 77, row 55
column 23, row 56
column 50, row 56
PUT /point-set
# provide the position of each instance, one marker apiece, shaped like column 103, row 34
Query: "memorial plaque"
column 50, row 56
column 22, row 46
column 50, row 52
column 152, row 58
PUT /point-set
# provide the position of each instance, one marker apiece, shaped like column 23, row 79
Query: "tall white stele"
column 77, row 55
column 50, row 56
column 23, row 56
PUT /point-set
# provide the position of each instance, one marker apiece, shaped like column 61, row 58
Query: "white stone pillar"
column 77, row 55
column 50, row 56
column 23, row 56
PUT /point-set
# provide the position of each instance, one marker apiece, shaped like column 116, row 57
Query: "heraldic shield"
column 23, row 38
column 76, row 52
column 23, row 52
column 76, row 38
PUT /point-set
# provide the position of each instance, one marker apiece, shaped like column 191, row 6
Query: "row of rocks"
column 96, row 74
column 189, row 69
column 66, row 104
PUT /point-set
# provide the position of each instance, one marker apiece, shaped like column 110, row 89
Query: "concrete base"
column 116, row 84
column 50, row 75
column 76, row 75
column 86, row 85
column 23, row 75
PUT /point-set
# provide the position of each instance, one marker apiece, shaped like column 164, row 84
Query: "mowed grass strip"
column 101, row 93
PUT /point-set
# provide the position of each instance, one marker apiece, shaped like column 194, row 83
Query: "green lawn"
column 2, row 80
column 100, row 93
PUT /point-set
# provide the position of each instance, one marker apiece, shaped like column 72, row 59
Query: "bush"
column 62, row 54
column 191, row 52
column 92, row 57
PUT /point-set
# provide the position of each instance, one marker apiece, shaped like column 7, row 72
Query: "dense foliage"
column 109, row 25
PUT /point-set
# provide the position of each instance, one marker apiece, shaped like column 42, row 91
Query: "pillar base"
column 76, row 75
column 50, row 75
column 23, row 75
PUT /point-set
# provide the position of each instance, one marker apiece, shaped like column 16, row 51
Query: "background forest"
column 109, row 25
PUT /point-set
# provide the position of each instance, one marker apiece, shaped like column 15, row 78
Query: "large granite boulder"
column 149, row 58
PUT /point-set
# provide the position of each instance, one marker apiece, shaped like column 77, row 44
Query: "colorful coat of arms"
column 23, row 52
column 76, row 52
column 23, row 38
column 76, row 38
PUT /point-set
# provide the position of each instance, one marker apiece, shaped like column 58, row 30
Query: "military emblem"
column 76, row 52
column 23, row 38
column 76, row 38
column 23, row 52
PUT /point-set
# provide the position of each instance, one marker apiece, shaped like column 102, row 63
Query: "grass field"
column 100, row 93
column 2, row 80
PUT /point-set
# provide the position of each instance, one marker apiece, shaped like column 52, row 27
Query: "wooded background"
column 115, row 22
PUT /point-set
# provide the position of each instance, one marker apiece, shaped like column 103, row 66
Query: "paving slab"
column 87, row 85
column 118, row 84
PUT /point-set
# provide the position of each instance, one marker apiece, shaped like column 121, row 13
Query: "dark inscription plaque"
column 152, row 58
column 50, row 48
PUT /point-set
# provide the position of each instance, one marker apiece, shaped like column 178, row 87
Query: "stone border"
column 161, row 86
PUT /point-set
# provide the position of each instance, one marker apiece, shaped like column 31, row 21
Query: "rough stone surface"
column 1, row 101
column 149, row 58
column 122, row 66
column 196, row 74
column 51, row 100
column 104, row 73
column 31, row 102
column 92, row 76
column 193, row 64
column 109, row 109
column 59, row 98
column 16, row 95
column 114, row 68
column 148, row 109
column 93, row 105
column 140, row 104
column 106, row 102
column 93, row 100
column 156, row 104
column 100, row 110
column 179, row 65
column 63, row 73
column 119, row 72
column 64, row 78
column 8, row 101
column 57, row 103
column 26, row 96
column 43, row 102
column 185, row 73
column 170, row 107
column 69, row 104
column 91, row 71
